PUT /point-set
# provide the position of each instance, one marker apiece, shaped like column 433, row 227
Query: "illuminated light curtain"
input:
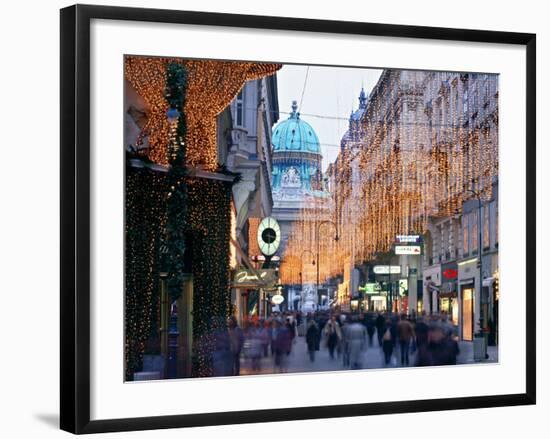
column 411, row 167
column 211, row 85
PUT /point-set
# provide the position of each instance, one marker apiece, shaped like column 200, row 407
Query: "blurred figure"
column 344, row 343
column 405, row 334
column 387, row 343
column 312, row 339
column 370, row 324
column 222, row 360
column 421, row 332
column 283, row 344
column 255, row 345
column 265, row 336
column 356, row 335
column 380, row 324
column 441, row 349
column 332, row 334
column 236, row 341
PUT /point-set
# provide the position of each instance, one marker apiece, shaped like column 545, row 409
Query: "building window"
column 474, row 231
column 465, row 246
column 486, row 242
column 239, row 109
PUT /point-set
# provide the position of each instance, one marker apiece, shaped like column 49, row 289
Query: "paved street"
column 372, row 358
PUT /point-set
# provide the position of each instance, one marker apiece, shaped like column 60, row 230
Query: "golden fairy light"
column 423, row 141
column 211, row 85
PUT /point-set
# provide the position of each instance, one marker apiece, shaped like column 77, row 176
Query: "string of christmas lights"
column 424, row 141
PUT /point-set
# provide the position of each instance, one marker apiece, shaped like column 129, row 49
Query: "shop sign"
column 387, row 269
column 408, row 239
column 450, row 273
column 371, row 288
column 277, row 299
column 266, row 277
column 408, row 250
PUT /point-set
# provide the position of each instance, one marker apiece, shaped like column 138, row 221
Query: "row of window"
column 446, row 243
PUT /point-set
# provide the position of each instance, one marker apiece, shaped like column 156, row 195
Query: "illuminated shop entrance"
column 467, row 313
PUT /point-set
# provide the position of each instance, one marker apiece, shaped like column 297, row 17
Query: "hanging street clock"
column 269, row 236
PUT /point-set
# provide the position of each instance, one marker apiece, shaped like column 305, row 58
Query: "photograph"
column 294, row 218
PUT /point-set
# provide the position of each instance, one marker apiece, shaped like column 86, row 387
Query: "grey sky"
column 330, row 92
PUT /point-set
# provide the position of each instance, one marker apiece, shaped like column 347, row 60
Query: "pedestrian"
column 282, row 347
column 387, row 343
column 405, row 334
column 380, row 324
column 221, row 357
column 332, row 335
column 312, row 339
column 421, row 332
column 443, row 349
column 356, row 335
column 265, row 335
column 371, row 328
column 236, row 341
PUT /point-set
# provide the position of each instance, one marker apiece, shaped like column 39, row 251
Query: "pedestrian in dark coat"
column 370, row 324
column 312, row 339
column 387, row 343
column 236, row 341
column 380, row 324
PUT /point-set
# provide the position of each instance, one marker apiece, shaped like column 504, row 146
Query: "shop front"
column 468, row 298
column 448, row 294
column 254, row 286
column 432, row 285
column 378, row 303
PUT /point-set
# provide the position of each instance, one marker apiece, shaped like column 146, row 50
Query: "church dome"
column 295, row 135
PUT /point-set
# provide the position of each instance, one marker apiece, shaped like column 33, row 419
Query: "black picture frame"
column 75, row 218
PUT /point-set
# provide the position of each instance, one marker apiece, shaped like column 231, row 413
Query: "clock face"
column 269, row 236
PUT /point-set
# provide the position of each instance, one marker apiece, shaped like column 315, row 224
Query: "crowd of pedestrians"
column 404, row 340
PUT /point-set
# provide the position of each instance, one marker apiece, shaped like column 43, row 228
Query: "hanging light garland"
column 411, row 162
column 211, row 85
column 183, row 99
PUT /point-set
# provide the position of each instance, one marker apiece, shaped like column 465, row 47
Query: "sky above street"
column 329, row 96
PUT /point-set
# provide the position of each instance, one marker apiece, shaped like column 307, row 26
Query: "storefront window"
column 467, row 313
column 454, row 311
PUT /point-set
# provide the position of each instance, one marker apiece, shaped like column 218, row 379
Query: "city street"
column 373, row 358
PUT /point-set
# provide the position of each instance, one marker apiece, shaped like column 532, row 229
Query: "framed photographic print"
column 255, row 207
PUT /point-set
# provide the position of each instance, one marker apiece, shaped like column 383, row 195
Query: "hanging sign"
column 450, row 273
column 249, row 279
column 408, row 250
column 370, row 288
column 387, row 269
column 406, row 239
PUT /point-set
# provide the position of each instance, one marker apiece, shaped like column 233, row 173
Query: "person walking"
column 333, row 335
column 371, row 327
column 283, row 343
column 312, row 339
column 236, row 341
column 356, row 335
column 380, row 324
column 387, row 343
column 405, row 334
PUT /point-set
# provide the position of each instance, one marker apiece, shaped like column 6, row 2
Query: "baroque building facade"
column 424, row 150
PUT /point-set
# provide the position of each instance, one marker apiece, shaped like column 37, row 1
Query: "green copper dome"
column 295, row 135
